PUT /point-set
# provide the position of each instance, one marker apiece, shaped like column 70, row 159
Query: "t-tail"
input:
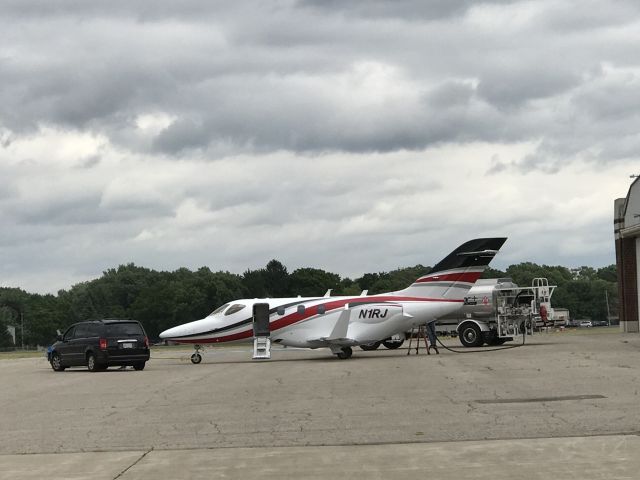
column 452, row 277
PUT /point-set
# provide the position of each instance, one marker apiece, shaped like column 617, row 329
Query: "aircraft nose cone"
column 167, row 333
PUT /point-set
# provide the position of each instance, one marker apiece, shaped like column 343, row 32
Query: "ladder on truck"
column 515, row 318
column 541, row 303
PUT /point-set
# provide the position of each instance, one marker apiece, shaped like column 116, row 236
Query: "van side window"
column 82, row 331
column 68, row 335
column 93, row 330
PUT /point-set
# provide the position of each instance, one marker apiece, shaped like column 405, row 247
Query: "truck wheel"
column 392, row 344
column 370, row 346
column 470, row 335
column 138, row 366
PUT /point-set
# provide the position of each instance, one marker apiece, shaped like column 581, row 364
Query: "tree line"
column 162, row 299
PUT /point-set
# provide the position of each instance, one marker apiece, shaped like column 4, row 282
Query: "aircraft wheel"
column 345, row 353
column 470, row 335
column 370, row 346
column 392, row 344
column 196, row 358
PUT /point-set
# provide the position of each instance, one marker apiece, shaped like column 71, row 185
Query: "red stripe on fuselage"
column 469, row 277
column 312, row 311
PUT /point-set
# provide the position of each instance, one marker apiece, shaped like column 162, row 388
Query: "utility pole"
column 606, row 295
column 22, row 329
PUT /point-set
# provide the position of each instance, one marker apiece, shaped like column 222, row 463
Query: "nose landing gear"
column 196, row 358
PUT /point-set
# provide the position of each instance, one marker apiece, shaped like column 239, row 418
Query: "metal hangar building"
column 626, row 226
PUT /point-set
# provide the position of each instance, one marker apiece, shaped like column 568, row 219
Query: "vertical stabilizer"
column 452, row 277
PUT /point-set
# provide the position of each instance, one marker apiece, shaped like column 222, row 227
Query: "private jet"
column 342, row 322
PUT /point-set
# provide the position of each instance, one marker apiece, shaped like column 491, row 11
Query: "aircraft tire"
column 470, row 335
column 196, row 358
column 392, row 345
column 370, row 346
column 345, row 353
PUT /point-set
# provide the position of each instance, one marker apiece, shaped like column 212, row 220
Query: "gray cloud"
column 410, row 10
column 364, row 132
column 243, row 83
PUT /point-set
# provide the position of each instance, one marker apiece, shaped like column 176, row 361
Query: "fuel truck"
column 497, row 310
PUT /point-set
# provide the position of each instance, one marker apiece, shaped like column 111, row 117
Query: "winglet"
column 328, row 294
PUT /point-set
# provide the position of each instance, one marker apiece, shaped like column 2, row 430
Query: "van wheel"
column 92, row 363
column 56, row 363
column 138, row 366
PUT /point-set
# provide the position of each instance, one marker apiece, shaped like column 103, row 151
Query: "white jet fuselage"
column 337, row 322
column 311, row 322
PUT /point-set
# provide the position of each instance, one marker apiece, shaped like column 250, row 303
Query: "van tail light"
column 146, row 342
column 103, row 344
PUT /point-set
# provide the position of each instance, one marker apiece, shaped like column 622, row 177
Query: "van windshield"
column 124, row 329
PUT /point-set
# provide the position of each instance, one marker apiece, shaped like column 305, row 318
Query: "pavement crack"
column 133, row 464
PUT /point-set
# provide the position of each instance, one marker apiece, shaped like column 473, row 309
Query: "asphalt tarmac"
column 564, row 405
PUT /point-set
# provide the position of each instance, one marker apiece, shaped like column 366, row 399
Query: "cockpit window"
column 219, row 309
column 234, row 308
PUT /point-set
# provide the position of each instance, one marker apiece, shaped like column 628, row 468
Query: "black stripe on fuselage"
column 243, row 322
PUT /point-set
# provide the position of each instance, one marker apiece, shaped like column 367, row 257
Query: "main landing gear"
column 342, row 352
column 196, row 358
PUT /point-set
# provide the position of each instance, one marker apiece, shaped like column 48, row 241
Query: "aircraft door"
column 261, row 326
column 261, row 331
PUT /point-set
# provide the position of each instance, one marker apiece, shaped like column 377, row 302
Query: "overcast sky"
column 352, row 136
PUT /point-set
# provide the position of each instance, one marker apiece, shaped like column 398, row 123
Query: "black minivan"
column 98, row 344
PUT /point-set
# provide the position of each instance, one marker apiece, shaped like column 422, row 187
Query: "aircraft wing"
column 338, row 334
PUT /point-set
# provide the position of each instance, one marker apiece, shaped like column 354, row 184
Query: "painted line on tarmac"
column 541, row 399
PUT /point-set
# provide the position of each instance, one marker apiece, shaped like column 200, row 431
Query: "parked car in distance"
column 99, row 344
column 585, row 323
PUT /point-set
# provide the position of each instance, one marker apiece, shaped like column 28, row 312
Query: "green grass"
column 21, row 354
